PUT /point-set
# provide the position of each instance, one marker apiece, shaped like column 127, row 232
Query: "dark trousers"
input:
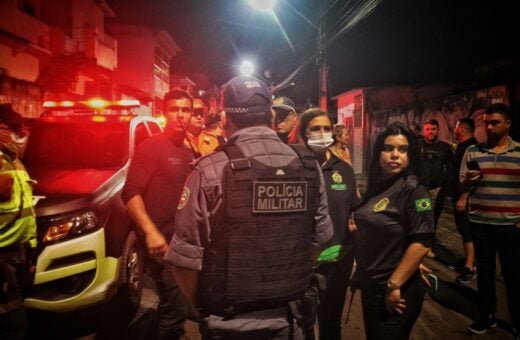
column 332, row 300
column 379, row 323
column 488, row 241
column 461, row 217
column 174, row 308
column 13, row 317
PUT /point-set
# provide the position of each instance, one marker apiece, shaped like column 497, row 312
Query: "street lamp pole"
column 322, row 64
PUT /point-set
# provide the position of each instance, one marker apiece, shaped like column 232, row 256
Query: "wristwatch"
column 391, row 285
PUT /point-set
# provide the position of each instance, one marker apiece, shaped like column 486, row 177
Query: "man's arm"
column 155, row 241
column 467, row 178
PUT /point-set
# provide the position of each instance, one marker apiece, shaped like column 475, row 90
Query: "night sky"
column 400, row 42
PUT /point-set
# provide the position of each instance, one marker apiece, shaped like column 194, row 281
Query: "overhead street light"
column 263, row 5
column 321, row 55
column 247, row 68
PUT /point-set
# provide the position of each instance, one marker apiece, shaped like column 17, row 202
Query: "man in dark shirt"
column 464, row 135
column 436, row 157
column 153, row 185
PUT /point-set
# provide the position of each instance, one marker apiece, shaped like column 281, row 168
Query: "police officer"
column 17, row 225
column 246, row 223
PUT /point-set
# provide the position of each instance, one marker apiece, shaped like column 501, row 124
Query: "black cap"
column 11, row 118
column 245, row 94
column 283, row 103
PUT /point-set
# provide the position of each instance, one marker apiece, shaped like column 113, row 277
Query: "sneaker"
column 466, row 276
column 482, row 325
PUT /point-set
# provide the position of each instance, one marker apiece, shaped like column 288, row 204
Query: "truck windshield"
column 82, row 144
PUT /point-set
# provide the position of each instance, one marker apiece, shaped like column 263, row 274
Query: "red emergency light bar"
column 93, row 103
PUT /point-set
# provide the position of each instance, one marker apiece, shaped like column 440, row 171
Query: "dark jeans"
column 174, row 308
column 488, row 241
column 461, row 217
column 332, row 300
column 379, row 323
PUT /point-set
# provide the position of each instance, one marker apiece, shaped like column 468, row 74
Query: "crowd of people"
column 252, row 222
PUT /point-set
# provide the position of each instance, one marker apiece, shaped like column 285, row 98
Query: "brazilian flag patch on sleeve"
column 423, row 204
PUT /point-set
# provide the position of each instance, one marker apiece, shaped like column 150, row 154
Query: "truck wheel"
column 131, row 273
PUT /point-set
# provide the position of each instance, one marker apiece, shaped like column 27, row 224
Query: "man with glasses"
column 198, row 139
column 285, row 120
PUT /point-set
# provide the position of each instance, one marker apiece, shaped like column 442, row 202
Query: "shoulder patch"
column 184, row 198
column 423, row 204
column 381, row 205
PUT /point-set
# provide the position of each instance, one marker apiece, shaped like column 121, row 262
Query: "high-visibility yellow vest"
column 17, row 216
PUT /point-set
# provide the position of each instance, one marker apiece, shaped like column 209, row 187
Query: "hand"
column 156, row 244
column 472, row 175
column 425, row 270
column 352, row 225
column 393, row 301
column 461, row 203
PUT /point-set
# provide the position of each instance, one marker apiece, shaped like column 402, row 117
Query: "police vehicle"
column 87, row 250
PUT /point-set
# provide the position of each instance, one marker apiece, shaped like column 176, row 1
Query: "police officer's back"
column 17, row 225
column 246, row 223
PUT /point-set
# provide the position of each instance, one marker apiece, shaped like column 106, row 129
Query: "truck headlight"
column 70, row 225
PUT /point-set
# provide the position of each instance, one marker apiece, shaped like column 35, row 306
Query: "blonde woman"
column 340, row 146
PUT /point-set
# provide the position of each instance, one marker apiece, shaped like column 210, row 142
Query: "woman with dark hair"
column 395, row 229
column 340, row 146
column 336, row 260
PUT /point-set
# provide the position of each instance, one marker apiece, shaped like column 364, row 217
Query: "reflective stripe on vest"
column 17, row 217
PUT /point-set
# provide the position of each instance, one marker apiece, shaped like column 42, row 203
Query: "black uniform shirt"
column 340, row 184
column 157, row 173
column 388, row 223
column 436, row 159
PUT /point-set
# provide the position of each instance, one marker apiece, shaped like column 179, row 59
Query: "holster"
column 305, row 310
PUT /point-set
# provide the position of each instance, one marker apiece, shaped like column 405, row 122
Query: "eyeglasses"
column 198, row 113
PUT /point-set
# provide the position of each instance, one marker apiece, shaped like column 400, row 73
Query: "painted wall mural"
column 446, row 110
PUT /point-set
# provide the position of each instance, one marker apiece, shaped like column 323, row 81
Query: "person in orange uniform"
column 198, row 139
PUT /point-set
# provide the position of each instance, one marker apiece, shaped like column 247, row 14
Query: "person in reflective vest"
column 17, row 225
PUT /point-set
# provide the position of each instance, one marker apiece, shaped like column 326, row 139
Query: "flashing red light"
column 128, row 102
column 97, row 103
column 49, row 104
column 99, row 119
column 67, row 103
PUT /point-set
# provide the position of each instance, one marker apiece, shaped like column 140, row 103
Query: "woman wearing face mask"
column 336, row 260
column 395, row 228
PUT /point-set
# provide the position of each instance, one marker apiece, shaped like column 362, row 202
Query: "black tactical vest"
column 260, row 253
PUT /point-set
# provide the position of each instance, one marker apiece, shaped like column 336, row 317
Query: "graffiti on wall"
column 446, row 110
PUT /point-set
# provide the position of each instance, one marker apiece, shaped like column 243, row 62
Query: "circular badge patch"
column 184, row 198
column 381, row 205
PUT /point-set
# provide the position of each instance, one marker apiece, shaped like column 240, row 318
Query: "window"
column 161, row 67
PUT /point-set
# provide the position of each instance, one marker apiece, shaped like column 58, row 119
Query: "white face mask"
column 319, row 142
column 20, row 141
